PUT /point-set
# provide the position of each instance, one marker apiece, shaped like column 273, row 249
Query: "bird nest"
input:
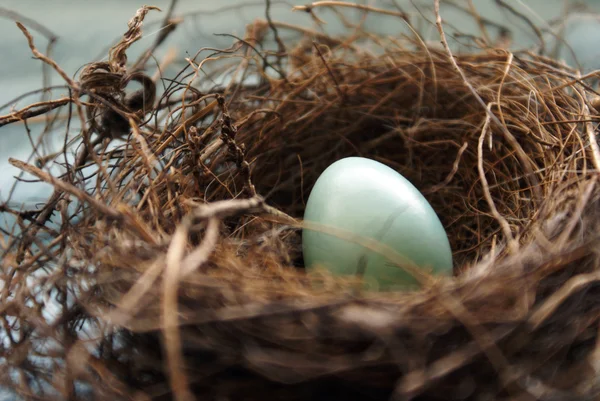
column 171, row 246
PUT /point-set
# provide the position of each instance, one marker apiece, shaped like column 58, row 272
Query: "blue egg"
column 363, row 198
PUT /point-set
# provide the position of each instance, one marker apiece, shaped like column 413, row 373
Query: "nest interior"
column 182, row 275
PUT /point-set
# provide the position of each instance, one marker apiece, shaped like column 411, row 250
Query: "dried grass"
column 182, row 274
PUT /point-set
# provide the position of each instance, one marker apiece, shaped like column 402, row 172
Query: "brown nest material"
column 181, row 275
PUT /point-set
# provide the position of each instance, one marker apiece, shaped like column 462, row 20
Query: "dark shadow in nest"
column 426, row 130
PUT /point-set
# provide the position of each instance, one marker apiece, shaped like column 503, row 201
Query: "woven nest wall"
column 182, row 275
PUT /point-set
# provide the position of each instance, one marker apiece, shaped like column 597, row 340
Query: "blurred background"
column 83, row 31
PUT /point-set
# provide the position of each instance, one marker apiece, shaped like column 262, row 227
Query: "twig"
column 525, row 162
column 228, row 131
column 591, row 132
column 167, row 27
column 36, row 26
column 38, row 109
column 558, row 297
column 170, row 315
column 29, row 93
column 74, row 85
column 84, row 197
column 577, row 213
column 480, row 19
column 75, row 88
column 117, row 56
column 200, row 255
column 66, row 187
column 416, row 381
column 536, row 30
column 309, row 7
column 311, row 33
column 480, row 22
column 266, row 63
column 229, row 207
column 449, row 177
column 486, row 189
column 149, row 158
column 178, row 267
column 186, row 124
column 484, row 338
column 335, row 81
column 281, row 50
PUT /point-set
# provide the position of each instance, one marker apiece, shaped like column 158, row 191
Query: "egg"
column 358, row 198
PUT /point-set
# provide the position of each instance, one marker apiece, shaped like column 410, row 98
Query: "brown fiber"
column 182, row 275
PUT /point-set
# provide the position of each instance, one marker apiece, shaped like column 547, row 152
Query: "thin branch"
column 486, row 188
column 536, row 30
column 168, row 26
column 258, row 53
column 541, row 314
column 170, row 315
column 334, row 79
column 33, row 110
column 36, row 26
column 521, row 155
column 237, row 152
column 74, row 85
column 281, row 50
column 84, row 197
column 309, row 7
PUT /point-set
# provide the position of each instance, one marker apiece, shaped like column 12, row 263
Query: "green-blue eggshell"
column 364, row 197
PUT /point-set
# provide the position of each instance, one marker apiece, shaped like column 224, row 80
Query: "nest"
column 172, row 247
